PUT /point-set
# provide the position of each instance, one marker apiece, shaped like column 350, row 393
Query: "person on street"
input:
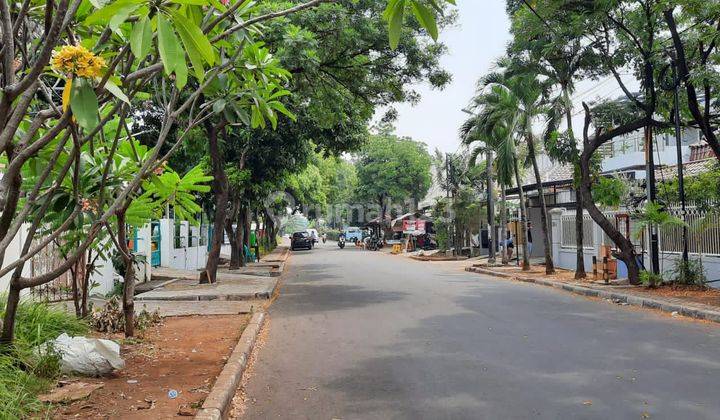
column 529, row 239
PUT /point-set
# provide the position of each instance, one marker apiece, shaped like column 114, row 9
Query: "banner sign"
column 410, row 226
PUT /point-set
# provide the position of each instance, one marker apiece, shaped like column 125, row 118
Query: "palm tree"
column 515, row 96
column 469, row 135
column 497, row 124
column 560, row 69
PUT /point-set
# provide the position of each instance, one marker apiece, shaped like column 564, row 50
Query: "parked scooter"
column 341, row 242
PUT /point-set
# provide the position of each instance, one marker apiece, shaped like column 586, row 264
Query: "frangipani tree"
column 69, row 68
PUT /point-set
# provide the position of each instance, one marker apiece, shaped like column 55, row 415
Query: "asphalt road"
column 363, row 335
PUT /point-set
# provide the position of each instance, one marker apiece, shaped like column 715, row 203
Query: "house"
column 624, row 156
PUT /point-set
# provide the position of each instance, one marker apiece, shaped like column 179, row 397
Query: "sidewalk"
column 231, row 285
column 622, row 294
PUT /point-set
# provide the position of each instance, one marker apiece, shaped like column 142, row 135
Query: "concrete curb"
column 438, row 259
column 218, row 401
column 200, row 298
column 634, row 300
column 280, row 254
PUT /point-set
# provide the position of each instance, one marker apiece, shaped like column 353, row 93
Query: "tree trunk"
column 579, row 232
column 580, row 264
column 627, row 251
column 246, row 229
column 491, row 210
column 235, row 252
column 239, row 243
column 220, row 187
column 74, row 275
column 270, row 230
column 503, row 225
column 523, row 218
column 8, row 327
column 128, row 276
column 549, row 265
column 87, row 272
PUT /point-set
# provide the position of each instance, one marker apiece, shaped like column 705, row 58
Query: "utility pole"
column 678, row 148
column 651, row 197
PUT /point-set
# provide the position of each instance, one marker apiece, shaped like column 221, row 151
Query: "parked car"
column 353, row 234
column 301, row 240
column 313, row 235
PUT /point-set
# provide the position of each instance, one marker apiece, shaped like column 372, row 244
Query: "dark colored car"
column 301, row 240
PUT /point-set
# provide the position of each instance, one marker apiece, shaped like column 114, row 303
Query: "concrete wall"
column 176, row 252
column 12, row 254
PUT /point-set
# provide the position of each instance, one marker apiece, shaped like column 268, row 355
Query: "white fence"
column 703, row 238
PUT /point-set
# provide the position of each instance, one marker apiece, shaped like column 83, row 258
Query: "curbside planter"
column 634, row 300
column 218, row 401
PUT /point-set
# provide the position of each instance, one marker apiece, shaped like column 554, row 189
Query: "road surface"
column 363, row 335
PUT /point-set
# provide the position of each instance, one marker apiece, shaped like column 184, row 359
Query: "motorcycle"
column 373, row 243
column 341, row 242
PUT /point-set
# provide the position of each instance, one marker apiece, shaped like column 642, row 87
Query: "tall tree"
column 391, row 168
column 535, row 42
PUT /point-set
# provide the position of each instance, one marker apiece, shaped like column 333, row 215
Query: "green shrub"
column 442, row 233
column 332, row 234
column 650, row 279
column 691, row 272
column 24, row 372
column 117, row 289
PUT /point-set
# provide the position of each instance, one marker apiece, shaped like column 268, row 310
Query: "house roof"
column 693, row 168
column 558, row 174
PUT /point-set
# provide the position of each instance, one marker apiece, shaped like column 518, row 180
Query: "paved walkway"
column 362, row 335
column 228, row 287
column 174, row 308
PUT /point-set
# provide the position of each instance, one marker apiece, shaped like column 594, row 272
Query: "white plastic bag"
column 87, row 356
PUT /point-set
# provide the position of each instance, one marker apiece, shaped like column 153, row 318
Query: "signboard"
column 410, row 226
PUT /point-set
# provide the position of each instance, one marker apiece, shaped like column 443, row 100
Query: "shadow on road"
column 307, row 298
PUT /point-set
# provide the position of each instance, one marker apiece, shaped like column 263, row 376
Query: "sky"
column 477, row 39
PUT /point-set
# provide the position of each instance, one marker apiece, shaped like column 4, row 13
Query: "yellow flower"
column 77, row 60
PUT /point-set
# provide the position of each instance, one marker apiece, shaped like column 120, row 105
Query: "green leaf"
column 219, row 105
column 169, row 46
column 192, row 50
column 121, row 16
column 190, row 2
column 107, row 13
column 194, row 35
column 244, row 117
column 394, row 14
column 426, row 18
column 84, row 104
column 217, row 5
column 181, row 74
column 141, row 38
column 278, row 106
column 111, row 87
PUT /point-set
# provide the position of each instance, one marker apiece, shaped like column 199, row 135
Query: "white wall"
column 12, row 253
column 185, row 257
column 565, row 257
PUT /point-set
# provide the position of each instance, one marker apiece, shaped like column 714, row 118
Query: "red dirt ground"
column 182, row 353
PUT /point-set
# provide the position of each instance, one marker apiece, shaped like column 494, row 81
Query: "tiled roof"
column 558, row 172
column 689, row 169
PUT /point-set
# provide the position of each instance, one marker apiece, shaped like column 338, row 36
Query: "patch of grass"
column 25, row 373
